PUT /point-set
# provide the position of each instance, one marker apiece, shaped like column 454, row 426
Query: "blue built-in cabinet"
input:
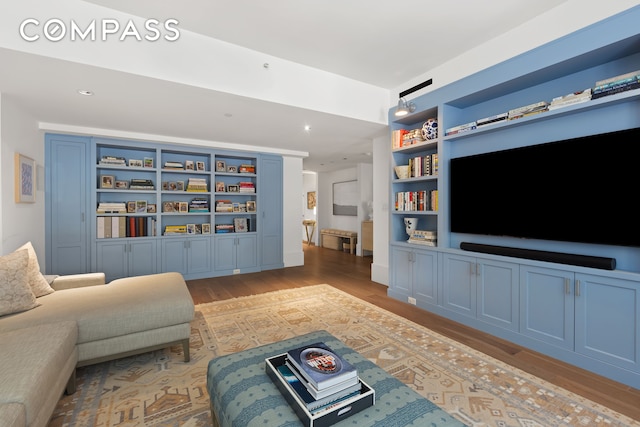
column 130, row 208
column 585, row 316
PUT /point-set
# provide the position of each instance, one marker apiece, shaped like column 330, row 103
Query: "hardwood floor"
column 351, row 274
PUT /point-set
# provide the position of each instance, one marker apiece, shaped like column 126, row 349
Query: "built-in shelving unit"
column 581, row 315
column 153, row 208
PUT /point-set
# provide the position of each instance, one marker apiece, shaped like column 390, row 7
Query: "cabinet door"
column 546, row 305
column 401, row 271
column 498, row 293
column 142, row 257
column 270, row 212
column 66, row 205
column 225, row 253
column 246, row 252
column 112, row 259
column 174, row 255
column 459, row 290
column 199, row 255
column 607, row 312
column 425, row 277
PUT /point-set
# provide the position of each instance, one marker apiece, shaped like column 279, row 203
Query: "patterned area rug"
column 159, row 389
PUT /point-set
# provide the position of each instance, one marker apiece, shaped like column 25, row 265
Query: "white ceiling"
column 378, row 42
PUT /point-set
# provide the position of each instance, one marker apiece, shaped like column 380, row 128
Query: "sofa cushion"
column 15, row 292
column 39, row 285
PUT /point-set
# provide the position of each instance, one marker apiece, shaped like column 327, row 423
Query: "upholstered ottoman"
column 242, row 394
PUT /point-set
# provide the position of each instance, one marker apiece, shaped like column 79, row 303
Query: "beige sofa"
column 84, row 321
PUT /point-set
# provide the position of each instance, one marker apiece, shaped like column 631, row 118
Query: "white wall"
column 381, row 197
column 292, row 211
column 20, row 222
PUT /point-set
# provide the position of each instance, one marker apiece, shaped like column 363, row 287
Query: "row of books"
column 141, row 184
column 113, row 161
column 111, row 207
column 602, row 88
column 403, row 138
column 423, row 165
column 320, row 378
column 246, row 168
column 423, row 200
column 108, row 227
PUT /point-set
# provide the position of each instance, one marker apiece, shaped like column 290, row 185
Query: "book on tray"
column 320, row 378
column 321, row 367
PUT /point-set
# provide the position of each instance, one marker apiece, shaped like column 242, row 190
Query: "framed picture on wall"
column 25, row 179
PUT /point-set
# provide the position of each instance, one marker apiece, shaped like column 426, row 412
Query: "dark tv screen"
column 575, row 190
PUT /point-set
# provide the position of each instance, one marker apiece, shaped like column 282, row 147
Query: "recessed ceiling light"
column 85, row 92
column 307, row 128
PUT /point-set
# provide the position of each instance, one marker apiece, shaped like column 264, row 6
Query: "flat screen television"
column 575, row 190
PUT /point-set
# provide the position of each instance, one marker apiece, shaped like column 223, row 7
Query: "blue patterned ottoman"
column 242, row 394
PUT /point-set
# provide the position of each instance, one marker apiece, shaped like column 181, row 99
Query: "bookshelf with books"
column 581, row 85
column 155, row 208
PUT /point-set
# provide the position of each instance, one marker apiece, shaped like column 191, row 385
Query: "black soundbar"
column 602, row 263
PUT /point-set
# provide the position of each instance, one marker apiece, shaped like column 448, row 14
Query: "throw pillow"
column 15, row 292
column 38, row 283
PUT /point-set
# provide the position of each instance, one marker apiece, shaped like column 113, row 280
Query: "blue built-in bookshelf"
column 583, row 315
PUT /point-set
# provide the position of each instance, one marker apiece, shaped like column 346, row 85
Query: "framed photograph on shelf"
column 131, row 207
column 168, row 207
column 189, row 165
column 122, row 185
column 206, row 228
column 240, row 225
column 180, row 186
column 191, row 229
column 236, row 207
column 233, row 188
column 25, row 179
column 151, row 208
column 107, row 181
column 133, row 163
column 221, row 166
column 220, row 187
column 232, row 169
column 148, row 162
column 251, row 205
column 200, row 167
column 183, row 207
column 141, row 206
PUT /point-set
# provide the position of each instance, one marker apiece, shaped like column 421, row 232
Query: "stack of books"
column 528, row 110
column 246, row 168
column 492, row 119
column 424, row 237
column 113, row 161
column 617, row 84
column 461, row 128
column 570, row 99
column 111, row 207
column 173, row 165
column 175, row 229
column 199, row 204
column 224, row 228
column 224, row 206
column 247, row 187
column 141, row 184
column 197, row 185
column 319, row 377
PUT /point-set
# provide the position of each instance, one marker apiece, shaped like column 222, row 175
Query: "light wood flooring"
column 351, row 274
